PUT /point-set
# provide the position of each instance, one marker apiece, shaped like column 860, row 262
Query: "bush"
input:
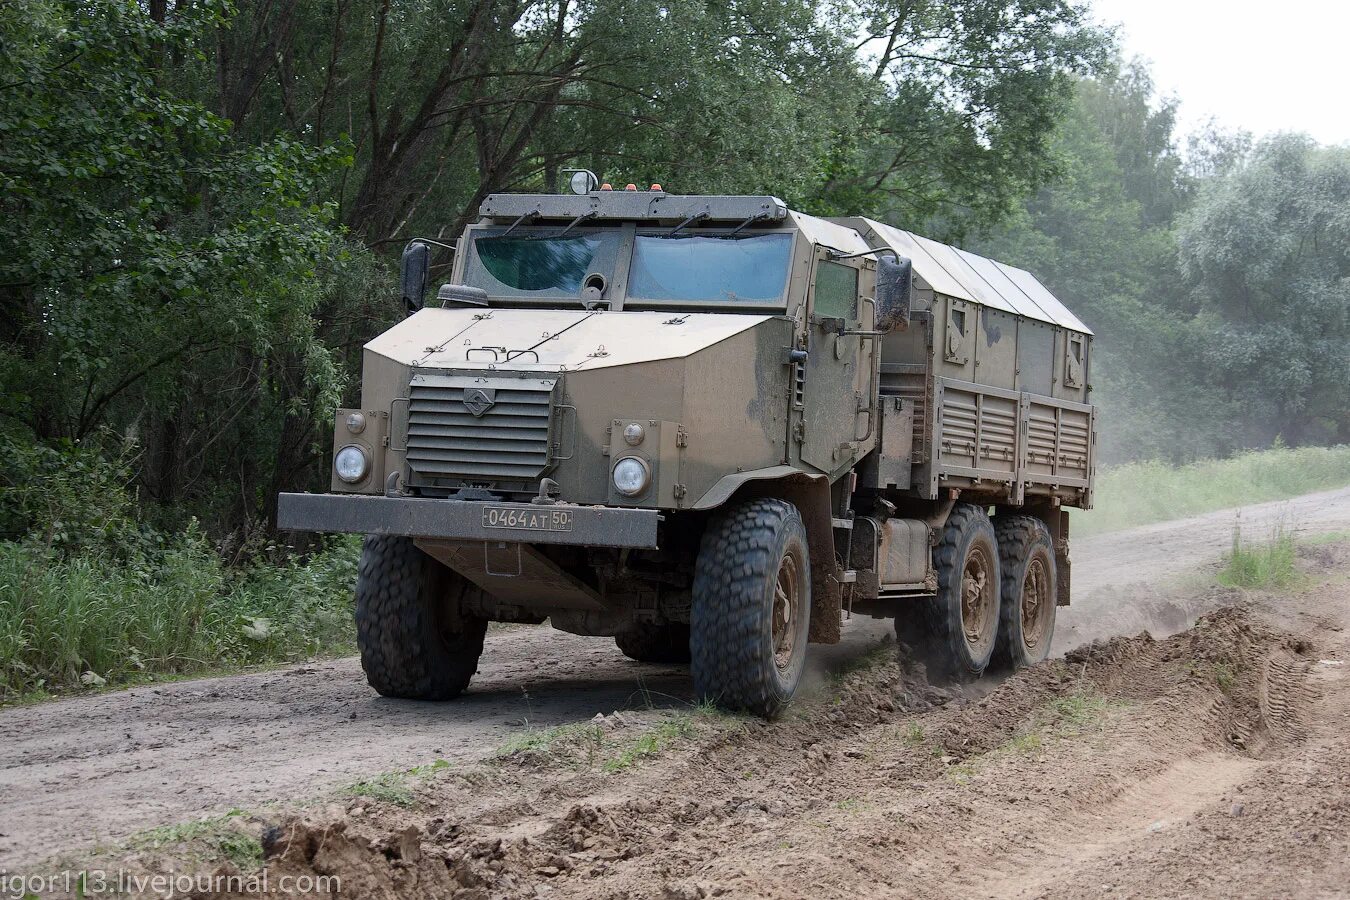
column 1265, row 565
column 92, row 618
column 70, row 497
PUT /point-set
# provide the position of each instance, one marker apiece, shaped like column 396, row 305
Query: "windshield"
column 750, row 269
column 525, row 264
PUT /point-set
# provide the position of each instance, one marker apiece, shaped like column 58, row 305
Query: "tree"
column 1100, row 237
column 1266, row 257
column 155, row 276
column 966, row 95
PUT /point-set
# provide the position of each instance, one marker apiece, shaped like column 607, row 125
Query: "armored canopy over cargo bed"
column 968, row 276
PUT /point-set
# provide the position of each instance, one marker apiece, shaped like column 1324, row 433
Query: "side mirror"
column 894, row 278
column 413, row 274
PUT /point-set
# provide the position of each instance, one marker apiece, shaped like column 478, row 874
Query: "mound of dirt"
column 888, row 767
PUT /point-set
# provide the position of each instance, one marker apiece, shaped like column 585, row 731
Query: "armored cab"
column 706, row 426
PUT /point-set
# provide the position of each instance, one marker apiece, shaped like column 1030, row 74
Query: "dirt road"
column 85, row 771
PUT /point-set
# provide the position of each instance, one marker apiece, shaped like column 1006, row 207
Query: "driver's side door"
column 833, row 413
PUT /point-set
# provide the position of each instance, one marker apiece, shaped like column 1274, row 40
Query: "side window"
column 1073, row 362
column 956, row 333
column 836, row 291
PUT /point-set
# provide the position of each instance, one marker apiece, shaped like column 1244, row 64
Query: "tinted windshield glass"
column 743, row 269
column 538, row 263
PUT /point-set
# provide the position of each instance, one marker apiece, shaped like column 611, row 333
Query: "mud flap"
column 1060, row 535
column 827, row 606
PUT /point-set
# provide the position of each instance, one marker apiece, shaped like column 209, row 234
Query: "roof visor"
column 632, row 205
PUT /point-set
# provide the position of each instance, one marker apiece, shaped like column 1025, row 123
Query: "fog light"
column 634, row 434
column 631, row 476
column 351, row 464
column 356, row 423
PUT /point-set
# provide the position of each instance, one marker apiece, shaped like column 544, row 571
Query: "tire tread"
column 403, row 651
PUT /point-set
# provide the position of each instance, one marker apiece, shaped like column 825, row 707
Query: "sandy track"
column 82, row 771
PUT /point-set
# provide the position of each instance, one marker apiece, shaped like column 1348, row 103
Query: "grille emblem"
column 478, row 401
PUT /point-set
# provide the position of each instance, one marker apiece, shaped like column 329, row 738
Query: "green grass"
column 560, row 739
column 1023, row 743
column 92, row 619
column 1269, row 564
column 587, row 744
column 1072, row 714
column 1324, row 539
column 1140, row 493
column 218, row 837
column 651, row 743
column 394, row 787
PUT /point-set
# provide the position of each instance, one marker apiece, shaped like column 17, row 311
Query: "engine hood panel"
column 552, row 339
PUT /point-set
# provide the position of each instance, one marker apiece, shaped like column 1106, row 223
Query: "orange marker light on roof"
column 606, row 186
column 630, row 187
column 657, row 187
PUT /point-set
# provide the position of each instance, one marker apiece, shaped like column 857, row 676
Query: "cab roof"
column 948, row 270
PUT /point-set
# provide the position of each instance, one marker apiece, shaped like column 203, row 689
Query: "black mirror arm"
column 837, row 254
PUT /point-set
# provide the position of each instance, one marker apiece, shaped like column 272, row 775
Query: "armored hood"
column 551, row 339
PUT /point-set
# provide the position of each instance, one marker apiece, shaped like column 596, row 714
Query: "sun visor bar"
column 507, row 208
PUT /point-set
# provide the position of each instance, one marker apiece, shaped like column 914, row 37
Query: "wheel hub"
column 1036, row 602
column 786, row 609
column 977, row 590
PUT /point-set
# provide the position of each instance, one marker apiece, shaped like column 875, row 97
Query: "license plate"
column 527, row 519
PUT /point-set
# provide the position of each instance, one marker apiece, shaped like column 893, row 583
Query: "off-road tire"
column 650, row 643
column 414, row 643
column 936, row 629
column 1027, row 564
column 744, row 554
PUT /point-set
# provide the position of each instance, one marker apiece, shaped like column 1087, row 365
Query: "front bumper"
column 558, row 523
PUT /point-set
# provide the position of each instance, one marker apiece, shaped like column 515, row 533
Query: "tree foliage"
column 1216, row 282
column 198, row 197
column 1265, row 254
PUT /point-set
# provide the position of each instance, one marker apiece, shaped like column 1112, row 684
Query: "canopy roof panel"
column 968, row 276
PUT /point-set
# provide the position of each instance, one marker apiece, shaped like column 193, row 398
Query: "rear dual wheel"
column 996, row 594
column 956, row 630
column 1029, row 589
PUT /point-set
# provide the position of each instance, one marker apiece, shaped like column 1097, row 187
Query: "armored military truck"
column 710, row 427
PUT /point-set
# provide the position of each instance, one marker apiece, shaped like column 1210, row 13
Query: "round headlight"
column 351, row 464
column 631, row 476
column 356, row 423
column 634, row 434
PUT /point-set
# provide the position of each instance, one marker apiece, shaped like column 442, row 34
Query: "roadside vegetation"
column 1260, row 564
column 95, row 596
column 1143, row 492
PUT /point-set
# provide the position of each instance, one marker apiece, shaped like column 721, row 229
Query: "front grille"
column 509, row 440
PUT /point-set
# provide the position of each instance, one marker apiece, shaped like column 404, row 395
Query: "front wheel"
column 415, row 642
column 751, row 607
